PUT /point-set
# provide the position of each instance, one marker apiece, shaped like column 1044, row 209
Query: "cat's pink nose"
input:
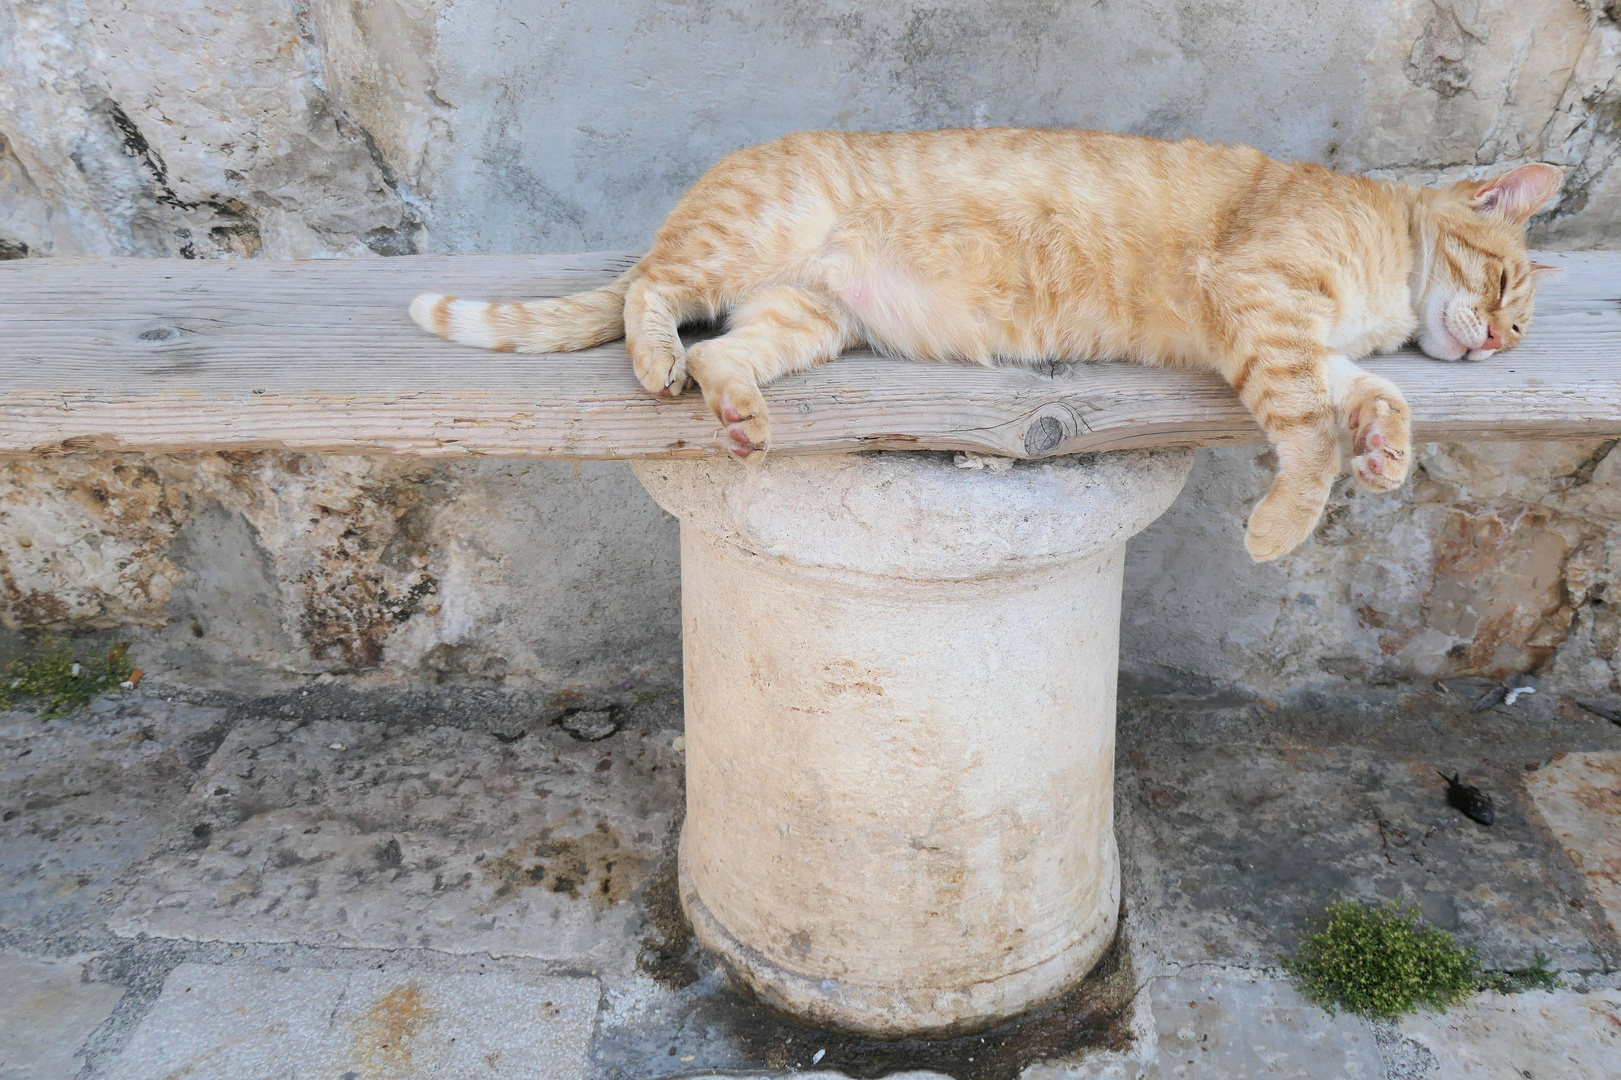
column 1494, row 340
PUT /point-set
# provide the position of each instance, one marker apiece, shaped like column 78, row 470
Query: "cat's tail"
column 562, row 324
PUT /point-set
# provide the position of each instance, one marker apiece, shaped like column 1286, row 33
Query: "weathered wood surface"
column 320, row 356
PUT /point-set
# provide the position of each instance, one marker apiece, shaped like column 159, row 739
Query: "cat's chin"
column 1440, row 345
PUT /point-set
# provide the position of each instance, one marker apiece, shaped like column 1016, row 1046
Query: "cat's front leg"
column 1280, row 376
column 1375, row 414
column 1308, row 462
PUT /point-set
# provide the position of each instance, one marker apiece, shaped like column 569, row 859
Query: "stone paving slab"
column 1217, row 1029
column 1233, row 849
column 324, row 827
column 337, row 832
column 819, row 1074
column 1580, row 797
column 253, row 1023
column 47, row 1011
column 81, row 797
column 1540, row 1035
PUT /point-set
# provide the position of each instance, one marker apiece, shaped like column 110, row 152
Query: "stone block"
column 1544, row 1035
column 341, row 832
column 253, row 1023
column 1222, row 1028
column 82, row 797
column 46, row 1014
column 1580, row 798
column 1235, row 848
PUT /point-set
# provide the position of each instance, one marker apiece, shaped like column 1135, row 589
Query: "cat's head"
column 1481, row 278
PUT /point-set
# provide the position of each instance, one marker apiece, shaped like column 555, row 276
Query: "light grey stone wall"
column 285, row 129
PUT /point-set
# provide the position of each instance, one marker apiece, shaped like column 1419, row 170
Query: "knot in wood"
column 1043, row 436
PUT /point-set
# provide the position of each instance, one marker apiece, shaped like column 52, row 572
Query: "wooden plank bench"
column 320, row 356
column 899, row 674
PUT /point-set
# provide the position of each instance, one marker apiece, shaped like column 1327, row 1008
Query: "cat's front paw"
column 1381, row 436
column 1285, row 518
column 1278, row 525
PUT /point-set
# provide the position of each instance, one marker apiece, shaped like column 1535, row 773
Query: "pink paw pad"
column 742, row 445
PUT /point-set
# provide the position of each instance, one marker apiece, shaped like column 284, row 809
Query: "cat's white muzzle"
column 1451, row 329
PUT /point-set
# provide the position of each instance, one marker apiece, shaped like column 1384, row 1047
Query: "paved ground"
column 462, row 883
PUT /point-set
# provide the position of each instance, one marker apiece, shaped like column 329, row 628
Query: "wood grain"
column 163, row 355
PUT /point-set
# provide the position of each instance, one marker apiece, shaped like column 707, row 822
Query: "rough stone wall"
column 295, row 128
column 1496, row 559
column 190, row 129
column 302, row 564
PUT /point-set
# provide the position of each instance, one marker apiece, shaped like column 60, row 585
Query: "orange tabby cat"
column 1014, row 245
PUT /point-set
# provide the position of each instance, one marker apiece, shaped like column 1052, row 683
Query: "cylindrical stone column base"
column 900, row 697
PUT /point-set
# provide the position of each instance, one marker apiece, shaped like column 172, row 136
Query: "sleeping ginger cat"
column 1011, row 245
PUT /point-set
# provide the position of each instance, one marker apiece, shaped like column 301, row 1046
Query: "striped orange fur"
column 1029, row 245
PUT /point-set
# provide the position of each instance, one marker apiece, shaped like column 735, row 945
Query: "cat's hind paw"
column 748, row 426
column 733, row 396
column 747, row 436
column 661, row 373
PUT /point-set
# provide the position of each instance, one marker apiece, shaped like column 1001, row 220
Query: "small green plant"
column 1539, row 976
column 61, row 681
column 1382, row 962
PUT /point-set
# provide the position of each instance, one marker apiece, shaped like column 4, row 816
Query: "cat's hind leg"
column 654, row 312
column 1375, row 414
column 772, row 332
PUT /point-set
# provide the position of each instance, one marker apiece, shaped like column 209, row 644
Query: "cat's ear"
column 1518, row 194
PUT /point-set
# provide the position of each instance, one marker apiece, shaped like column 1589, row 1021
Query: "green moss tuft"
column 1382, row 962
column 47, row 675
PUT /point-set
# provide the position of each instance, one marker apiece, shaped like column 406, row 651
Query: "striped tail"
column 564, row 324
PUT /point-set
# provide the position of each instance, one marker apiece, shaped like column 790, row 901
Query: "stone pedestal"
column 900, row 697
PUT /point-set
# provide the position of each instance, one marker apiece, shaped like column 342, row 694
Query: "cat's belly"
column 899, row 313
column 896, row 312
